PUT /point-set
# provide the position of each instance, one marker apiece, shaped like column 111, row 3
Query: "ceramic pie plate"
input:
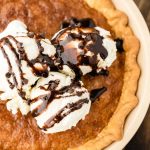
column 140, row 29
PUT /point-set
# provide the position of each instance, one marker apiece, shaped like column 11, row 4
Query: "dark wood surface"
column 141, row 141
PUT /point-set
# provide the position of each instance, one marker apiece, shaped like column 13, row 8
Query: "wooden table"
column 141, row 141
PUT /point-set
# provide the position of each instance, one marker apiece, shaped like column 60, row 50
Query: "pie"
column 105, row 121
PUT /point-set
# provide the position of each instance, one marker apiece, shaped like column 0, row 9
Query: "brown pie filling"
column 21, row 132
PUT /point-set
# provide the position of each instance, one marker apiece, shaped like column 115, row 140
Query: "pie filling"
column 63, row 86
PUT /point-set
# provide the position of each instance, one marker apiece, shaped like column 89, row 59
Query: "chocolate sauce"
column 45, row 101
column 94, row 94
column 47, row 98
column 88, row 40
column 11, row 85
column 20, row 54
column 18, row 62
column 97, row 48
column 42, row 58
column 6, row 41
column 119, row 45
column 85, row 22
column 69, row 108
column 54, row 94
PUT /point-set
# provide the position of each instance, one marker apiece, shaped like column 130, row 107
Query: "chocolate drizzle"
column 6, row 41
column 20, row 54
column 45, row 101
column 11, row 85
column 73, row 39
column 43, row 59
column 69, row 108
column 53, row 93
column 18, row 61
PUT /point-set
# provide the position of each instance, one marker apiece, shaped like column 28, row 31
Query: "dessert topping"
column 58, row 102
column 90, row 49
column 43, row 77
column 25, row 57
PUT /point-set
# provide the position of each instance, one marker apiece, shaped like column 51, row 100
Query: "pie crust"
column 128, row 100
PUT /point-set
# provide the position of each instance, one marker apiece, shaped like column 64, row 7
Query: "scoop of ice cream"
column 59, row 105
column 86, row 49
column 24, row 58
column 56, row 100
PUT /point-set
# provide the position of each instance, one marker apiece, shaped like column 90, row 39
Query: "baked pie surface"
column 104, row 123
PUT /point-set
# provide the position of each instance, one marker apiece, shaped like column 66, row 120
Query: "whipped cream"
column 55, row 100
column 89, row 49
column 69, row 104
column 21, row 65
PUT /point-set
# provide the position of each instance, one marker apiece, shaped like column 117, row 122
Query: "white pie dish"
column 140, row 29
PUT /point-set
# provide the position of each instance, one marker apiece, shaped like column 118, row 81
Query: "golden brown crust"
column 119, row 23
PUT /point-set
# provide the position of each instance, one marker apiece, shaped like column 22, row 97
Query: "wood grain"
column 141, row 141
